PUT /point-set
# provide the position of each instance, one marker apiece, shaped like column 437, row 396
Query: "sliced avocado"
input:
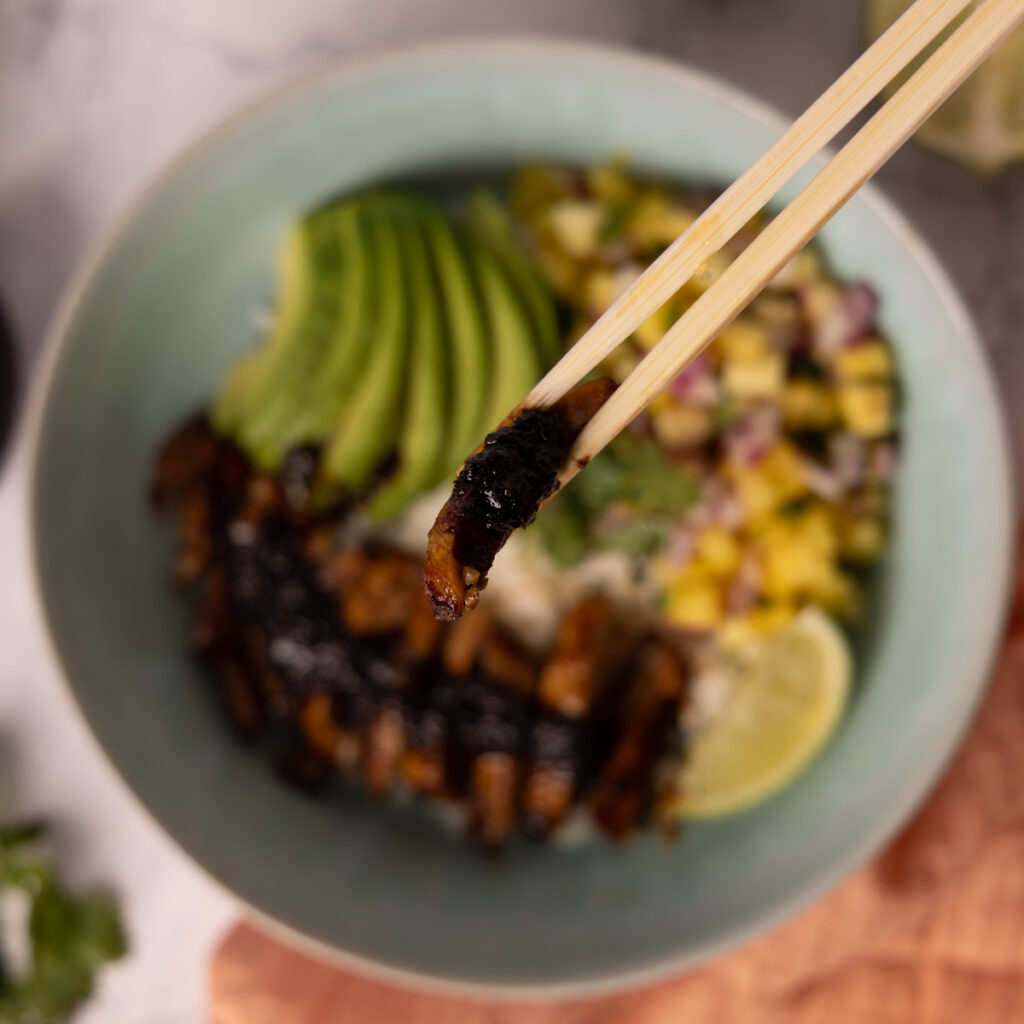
column 424, row 432
column 367, row 425
column 226, row 415
column 491, row 222
column 515, row 359
column 293, row 356
column 295, row 270
column 326, row 391
column 465, row 326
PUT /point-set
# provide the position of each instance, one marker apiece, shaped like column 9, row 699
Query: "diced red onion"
column 849, row 321
column 882, row 462
column 573, row 181
column 745, row 588
column 625, row 274
column 698, row 515
column 617, row 251
column 697, row 383
column 741, row 597
column 616, row 517
column 749, row 439
column 680, row 547
column 821, row 481
column 860, row 303
column 726, row 509
column 847, row 459
column 640, row 426
column 791, row 340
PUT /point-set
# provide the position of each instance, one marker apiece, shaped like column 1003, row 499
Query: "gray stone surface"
column 96, row 95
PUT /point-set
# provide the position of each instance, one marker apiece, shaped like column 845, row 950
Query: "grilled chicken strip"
column 580, row 658
column 498, row 491
column 581, row 662
column 624, row 789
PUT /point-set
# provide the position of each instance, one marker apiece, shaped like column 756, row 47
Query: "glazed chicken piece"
column 463, row 641
column 215, row 640
column 383, row 746
column 204, row 475
column 184, row 460
column 423, row 632
column 429, row 717
column 490, row 729
column 316, row 718
column 624, row 790
column 498, row 491
column 580, row 664
column 496, row 771
column 581, row 658
column 429, row 735
column 379, row 599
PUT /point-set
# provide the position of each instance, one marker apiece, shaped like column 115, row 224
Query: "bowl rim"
column 667, row 69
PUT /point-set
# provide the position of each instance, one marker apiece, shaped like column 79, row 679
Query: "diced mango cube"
column 560, row 270
column 866, row 408
column 784, row 471
column 656, row 220
column 668, row 574
column 869, row 359
column 661, row 403
column 707, row 274
column 770, row 616
column 599, row 290
column 755, row 491
column 718, row 551
column 609, row 184
column 803, row 269
column 862, row 539
column 681, row 425
column 576, row 226
column 742, row 341
column 620, row 364
column 789, row 567
column 653, row 329
column 816, row 527
column 839, row 594
column 695, row 605
column 755, row 378
column 808, row 405
column 737, row 632
column 820, row 299
column 535, row 188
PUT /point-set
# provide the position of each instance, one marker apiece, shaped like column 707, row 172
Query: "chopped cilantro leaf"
column 633, row 473
column 70, row 936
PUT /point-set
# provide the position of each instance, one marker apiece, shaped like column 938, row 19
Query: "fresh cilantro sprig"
column 634, row 474
column 70, row 936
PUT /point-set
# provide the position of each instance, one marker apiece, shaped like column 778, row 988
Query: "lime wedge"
column 784, row 702
column 982, row 124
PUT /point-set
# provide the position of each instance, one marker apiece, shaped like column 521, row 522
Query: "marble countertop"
column 96, row 95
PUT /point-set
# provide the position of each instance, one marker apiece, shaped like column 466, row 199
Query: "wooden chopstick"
column 857, row 161
column 818, row 125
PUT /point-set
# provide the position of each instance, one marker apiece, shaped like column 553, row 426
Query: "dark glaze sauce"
column 499, row 490
column 296, row 676
column 502, row 486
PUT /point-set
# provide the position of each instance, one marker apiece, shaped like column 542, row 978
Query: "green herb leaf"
column 70, row 936
column 20, row 834
column 726, row 411
column 633, row 472
column 614, row 226
column 651, row 481
column 638, row 538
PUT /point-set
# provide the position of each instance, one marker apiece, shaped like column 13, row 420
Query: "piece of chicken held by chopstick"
column 498, row 491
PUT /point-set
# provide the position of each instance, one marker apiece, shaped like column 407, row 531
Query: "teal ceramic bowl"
column 165, row 307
